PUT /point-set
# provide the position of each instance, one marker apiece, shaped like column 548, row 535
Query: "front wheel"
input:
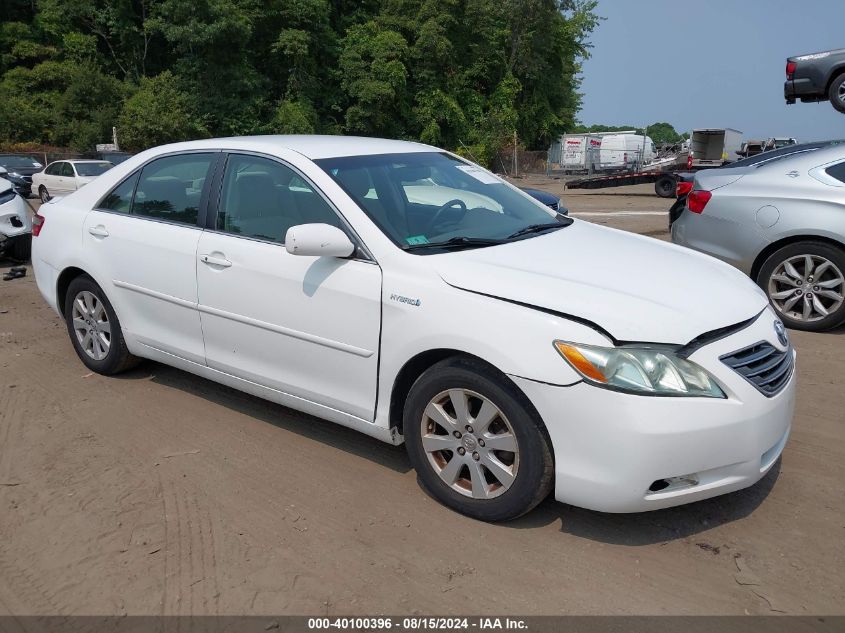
column 43, row 194
column 94, row 329
column 805, row 282
column 836, row 94
column 476, row 442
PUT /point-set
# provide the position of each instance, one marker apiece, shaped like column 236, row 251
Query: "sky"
column 709, row 63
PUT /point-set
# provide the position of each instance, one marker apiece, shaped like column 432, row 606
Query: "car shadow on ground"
column 317, row 429
column 658, row 526
column 645, row 528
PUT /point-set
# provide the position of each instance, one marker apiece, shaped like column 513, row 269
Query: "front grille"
column 763, row 365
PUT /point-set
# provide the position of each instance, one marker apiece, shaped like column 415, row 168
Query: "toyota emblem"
column 780, row 330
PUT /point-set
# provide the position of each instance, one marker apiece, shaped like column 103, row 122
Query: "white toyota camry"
column 514, row 351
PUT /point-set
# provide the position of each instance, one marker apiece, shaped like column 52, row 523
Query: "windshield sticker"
column 481, row 175
column 413, row 240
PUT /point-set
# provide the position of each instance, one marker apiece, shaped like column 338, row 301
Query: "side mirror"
column 318, row 240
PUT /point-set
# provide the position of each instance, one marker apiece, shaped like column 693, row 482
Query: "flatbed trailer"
column 664, row 181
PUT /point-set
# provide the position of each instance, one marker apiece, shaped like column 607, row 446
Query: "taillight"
column 689, row 161
column 37, row 224
column 683, row 188
column 790, row 70
column 697, row 200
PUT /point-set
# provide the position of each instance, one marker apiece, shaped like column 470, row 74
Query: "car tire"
column 485, row 483
column 43, row 194
column 836, row 93
column 21, row 249
column 92, row 322
column 665, row 186
column 784, row 279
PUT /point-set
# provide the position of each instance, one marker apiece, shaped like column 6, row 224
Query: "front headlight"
column 648, row 370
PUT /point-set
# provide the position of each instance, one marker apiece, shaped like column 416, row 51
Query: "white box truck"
column 580, row 153
column 712, row 147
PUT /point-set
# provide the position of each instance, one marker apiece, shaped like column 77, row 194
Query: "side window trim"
column 362, row 253
column 820, row 173
column 204, row 196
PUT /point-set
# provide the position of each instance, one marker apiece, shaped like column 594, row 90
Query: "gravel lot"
column 161, row 493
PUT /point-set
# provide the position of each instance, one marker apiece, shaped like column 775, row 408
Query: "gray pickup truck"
column 816, row 77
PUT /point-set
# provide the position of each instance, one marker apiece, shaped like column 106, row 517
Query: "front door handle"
column 211, row 260
column 98, row 231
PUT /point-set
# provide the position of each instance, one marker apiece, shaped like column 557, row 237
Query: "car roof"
column 312, row 146
column 81, row 160
column 809, row 158
column 804, row 148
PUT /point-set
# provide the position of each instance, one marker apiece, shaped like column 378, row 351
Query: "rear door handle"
column 98, row 231
column 211, row 260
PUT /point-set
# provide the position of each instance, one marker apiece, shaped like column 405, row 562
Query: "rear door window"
column 119, row 199
column 169, row 188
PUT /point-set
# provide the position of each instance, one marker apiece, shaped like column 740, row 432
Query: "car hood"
column 635, row 288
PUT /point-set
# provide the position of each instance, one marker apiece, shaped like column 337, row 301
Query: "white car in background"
column 513, row 350
column 15, row 223
column 62, row 177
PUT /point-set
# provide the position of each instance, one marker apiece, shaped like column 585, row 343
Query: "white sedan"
column 62, row 177
column 514, row 351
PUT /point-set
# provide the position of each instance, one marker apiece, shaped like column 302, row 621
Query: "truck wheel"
column 837, row 93
column 665, row 187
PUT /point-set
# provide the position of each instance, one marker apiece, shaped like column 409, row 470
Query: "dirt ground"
column 161, row 493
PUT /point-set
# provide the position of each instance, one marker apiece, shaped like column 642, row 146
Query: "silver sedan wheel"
column 91, row 325
column 807, row 287
column 841, row 92
column 470, row 444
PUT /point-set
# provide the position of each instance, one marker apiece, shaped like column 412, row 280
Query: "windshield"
column 92, row 169
column 18, row 162
column 423, row 199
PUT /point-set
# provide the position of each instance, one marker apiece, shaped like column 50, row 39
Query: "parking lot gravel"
column 158, row 492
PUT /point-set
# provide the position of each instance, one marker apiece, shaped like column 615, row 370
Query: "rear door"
column 143, row 236
column 65, row 179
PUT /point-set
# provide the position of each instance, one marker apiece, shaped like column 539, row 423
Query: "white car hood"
column 635, row 288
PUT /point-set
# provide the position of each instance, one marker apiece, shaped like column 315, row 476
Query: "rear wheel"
column 94, row 329
column 836, row 94
column 476, row 442
column 665, row 187
column 805, row 282
column 43, row 194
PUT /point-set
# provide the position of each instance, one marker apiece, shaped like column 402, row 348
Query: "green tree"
column 159, row 112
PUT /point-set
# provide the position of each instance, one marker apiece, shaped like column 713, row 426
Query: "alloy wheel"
column 91, row 325
column 807, row 288
column 470, row 444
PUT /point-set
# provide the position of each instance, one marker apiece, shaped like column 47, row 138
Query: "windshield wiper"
column 537, row 228
column 455, row 243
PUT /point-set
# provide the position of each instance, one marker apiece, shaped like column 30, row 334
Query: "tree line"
column 462, row 74
column 661, row 132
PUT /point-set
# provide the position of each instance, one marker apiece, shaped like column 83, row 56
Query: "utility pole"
column 515, row 163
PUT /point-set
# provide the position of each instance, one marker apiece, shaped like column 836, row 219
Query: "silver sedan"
column 781, row 221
